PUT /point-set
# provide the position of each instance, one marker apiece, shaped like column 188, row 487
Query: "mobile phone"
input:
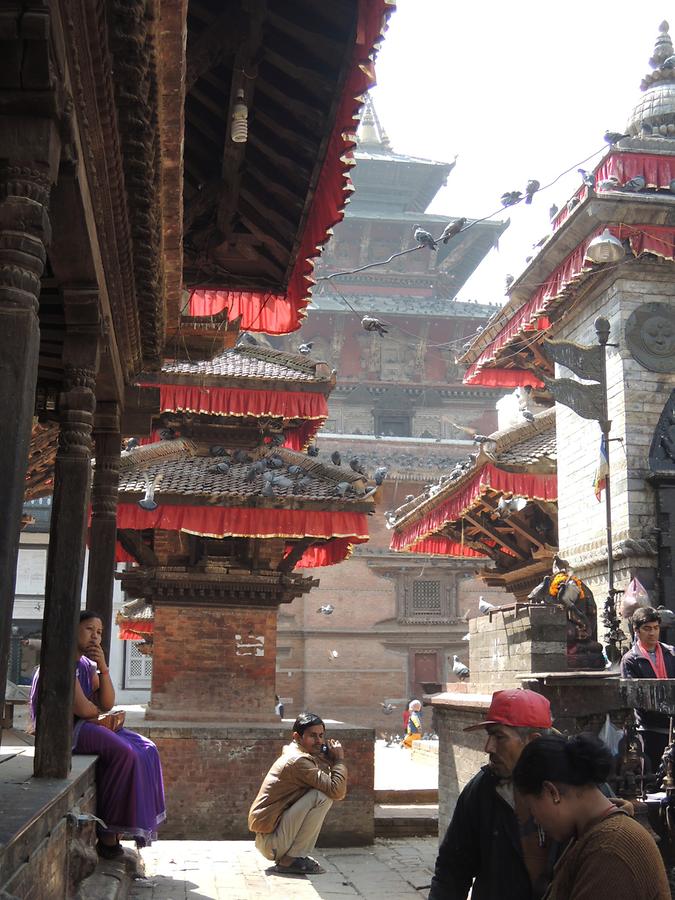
column 324, row 749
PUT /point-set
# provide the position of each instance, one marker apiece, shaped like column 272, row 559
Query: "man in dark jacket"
column 649, row 658
column 489, row 839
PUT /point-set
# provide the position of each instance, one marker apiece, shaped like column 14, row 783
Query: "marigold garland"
column 562, row 578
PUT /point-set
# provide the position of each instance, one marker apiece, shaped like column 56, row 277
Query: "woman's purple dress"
column 129, row 786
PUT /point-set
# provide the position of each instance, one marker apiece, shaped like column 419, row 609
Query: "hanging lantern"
column 605, row 248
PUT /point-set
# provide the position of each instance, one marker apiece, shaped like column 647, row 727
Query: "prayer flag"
column 602, row 471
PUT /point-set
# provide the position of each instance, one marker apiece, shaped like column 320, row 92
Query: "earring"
column 556, row 800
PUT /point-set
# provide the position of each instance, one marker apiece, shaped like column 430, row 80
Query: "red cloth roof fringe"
column 540, row 487
column 283, row 313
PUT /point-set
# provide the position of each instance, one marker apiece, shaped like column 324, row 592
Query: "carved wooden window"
column 138, row 668
column 426, row 601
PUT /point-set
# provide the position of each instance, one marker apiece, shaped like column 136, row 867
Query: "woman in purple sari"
column 129, row 786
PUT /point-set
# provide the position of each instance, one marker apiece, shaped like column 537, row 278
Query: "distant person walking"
column 413, row 731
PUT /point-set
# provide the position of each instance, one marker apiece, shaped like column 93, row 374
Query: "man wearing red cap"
column 489, row 839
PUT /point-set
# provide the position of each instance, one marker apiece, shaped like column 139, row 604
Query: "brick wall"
column 508, row 644
column 214, row 664
column 213, row 773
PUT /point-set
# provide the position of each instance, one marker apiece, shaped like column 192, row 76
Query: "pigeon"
column 370, row 323
column 305, row 482
column 148, row 501
column 531, row 189
column 241, row 456
column 267, row 489
column 282, row 482
column 355, row 466
column 668, row 63
column 527, row 415
column 294, row 470
column 256, row 469
column 221, row 468
column 451, row 229
column 423, row 238
column 560, row 564
column 275, row 462
column 611, row 183
column 326, row 609
column 335, row 458
column 387, row 708
column 246, row 338
column 131, row 444
column 306, row 349
column 506, row 508
column 380, row 474
column 510, row 198
column 269, row 476
column 508, row 281
column 408, row 498
column 587, row 178
column 646, row 129
column 613, row 137
column 484, row 607
column 636, row 184
column 575, row 201
column 553, row 211
column 342, row 487
column 277, row 439
column 167, row 434
column 312, row 450
column 460, row 670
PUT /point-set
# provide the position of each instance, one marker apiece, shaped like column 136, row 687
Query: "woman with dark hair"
column 609, row 855
column 649, row 658
column 129, row 786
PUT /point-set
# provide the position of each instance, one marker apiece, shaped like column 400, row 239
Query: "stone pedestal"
column 212, row 773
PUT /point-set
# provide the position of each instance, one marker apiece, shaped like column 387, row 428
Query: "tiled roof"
column 252, row 362
column 189, row 471
column 539, row 448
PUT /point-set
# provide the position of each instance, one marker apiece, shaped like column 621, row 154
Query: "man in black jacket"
column 489, row 839
column 649, row 658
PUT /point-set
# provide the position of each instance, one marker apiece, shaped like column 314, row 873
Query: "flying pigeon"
column 423, row 238
column 611, row 183
column 326, row 609
column 451, row 229
column 267, row 489
column 370, row 323
column 553, row 211
column 335, row 457
column 510, row 198
column 587, row 178
column 484, row 607
column 531, row 189
column 460, row 670
column 312, row 450
column 387, row 708
column 380, row 474
column 527, row 415
column 148, row 501
column 613, row 137
column 636, row 184
column 306, row 349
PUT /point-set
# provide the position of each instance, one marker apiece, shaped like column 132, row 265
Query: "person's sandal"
column 300, row 866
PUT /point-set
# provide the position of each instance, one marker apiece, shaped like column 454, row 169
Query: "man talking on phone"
column 295, row 796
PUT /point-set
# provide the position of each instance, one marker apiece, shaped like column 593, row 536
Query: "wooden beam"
column 220, row 38
column 496, row 536
column 514, row 524
column 134, row 546
column 288, row 563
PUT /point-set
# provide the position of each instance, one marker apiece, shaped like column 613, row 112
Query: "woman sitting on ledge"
column 129, row 786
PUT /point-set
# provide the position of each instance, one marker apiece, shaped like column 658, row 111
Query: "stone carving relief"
column 650, row 336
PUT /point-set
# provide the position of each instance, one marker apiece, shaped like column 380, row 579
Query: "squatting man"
column 295, row 796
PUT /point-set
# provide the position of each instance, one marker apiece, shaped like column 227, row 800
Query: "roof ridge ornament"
column 653, row 116
column 663, row 47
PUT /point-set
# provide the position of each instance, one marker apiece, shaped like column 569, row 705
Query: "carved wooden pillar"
column 24, row 231
column 103, row 529
column 65, row 559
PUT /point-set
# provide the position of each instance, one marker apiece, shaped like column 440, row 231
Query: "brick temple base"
column 213, row 772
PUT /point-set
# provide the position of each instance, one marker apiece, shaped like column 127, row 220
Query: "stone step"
column 407, row 796
column 406, row 820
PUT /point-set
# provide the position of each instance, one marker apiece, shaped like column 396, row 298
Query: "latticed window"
column 425, row 599
column 138, row 669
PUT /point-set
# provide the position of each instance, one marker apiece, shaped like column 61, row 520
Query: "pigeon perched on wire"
column 335, row 458
column 510, row 198
column 636, row 184
column 326, row 609
column 587, row 178
column 451, row 229
column 380, row 474
column 370, row 323
column 613, row 137
column 531, row 189
column 306, row 349
column 484, row 607
column 423, row 238
column 460, row 669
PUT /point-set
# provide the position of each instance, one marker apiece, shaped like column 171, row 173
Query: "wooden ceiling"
column 245, row 204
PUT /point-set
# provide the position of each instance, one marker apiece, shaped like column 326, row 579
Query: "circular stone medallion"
column 650, row 336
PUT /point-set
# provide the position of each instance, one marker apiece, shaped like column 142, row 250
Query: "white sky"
column 517, row 90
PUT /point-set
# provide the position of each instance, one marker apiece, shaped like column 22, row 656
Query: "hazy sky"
column 516, row 90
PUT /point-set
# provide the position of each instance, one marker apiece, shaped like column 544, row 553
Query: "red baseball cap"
column 519, row 709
